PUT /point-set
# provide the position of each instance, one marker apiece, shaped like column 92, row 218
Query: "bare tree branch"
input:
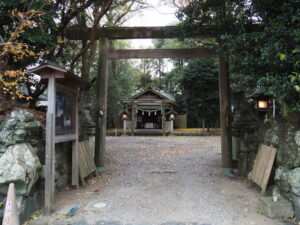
column 103, row 11
column 66, row 19
column 73, row 13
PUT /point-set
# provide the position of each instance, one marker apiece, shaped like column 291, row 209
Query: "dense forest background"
column 267, row 57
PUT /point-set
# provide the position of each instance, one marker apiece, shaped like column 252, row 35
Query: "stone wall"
column 285, row 136
column 20, row 127
column 250, row 129
column 87, row 113
column 22, row 159
column 63, row 165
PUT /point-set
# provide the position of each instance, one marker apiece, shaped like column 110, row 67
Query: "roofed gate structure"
column 149, row 113
column 106, row 53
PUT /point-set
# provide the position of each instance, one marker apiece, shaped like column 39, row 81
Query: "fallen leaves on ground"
column 92, row 180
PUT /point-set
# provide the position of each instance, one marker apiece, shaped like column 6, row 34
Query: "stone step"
column 280, row 209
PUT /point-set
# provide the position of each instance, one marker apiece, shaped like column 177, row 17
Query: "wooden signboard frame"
column 62, row 80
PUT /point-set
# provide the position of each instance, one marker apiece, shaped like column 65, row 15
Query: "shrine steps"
column 148, row 132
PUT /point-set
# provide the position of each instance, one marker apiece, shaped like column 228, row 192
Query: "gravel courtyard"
column 163, row 180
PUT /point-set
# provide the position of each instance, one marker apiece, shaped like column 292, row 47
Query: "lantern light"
column 262, row 104
column 172, row 116
column 124, row 115
column 261, row 101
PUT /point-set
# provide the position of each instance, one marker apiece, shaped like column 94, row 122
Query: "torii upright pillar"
column 102, row 82
column 225, row 117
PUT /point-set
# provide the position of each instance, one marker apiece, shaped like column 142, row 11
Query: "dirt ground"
column 163, row 180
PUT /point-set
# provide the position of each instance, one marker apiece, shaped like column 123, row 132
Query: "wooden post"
column 163, row 118
column 75, row 150
column 225, row 117
column 102, row 104
column 132, row 119
column 50, row 147
column 172, row 127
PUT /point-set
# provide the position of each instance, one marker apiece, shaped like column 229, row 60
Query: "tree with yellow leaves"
column 13, row 51
column 33, row 30
column 30, row 32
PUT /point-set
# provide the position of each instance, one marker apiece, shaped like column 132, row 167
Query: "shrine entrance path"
column 164, row 180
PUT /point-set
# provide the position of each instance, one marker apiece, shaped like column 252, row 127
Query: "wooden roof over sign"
column 48, row 69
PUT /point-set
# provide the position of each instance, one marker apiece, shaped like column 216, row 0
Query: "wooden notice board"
column 61, row 122
column 263, row 164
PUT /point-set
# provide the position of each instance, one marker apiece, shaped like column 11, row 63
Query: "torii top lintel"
column 205, row 31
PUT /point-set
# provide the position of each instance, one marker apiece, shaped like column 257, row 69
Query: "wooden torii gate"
column 105, row 53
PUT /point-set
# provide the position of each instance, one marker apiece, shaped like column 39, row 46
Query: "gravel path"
column 155, row 180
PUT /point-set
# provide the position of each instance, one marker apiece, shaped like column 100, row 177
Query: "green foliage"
column 40, row 37
column 267, row 57
column 169, row 82
column 122, row 81
column 22, row 42
column 199, row 84
column 145, row 81
column 194, row 82
column 261, row 211
column 150, row 75
column 172, row 80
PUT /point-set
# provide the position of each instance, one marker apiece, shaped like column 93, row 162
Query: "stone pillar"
column 163, row 119
column 172, row 127
column 133, row 108
column 124, row 127
column 244, row 133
